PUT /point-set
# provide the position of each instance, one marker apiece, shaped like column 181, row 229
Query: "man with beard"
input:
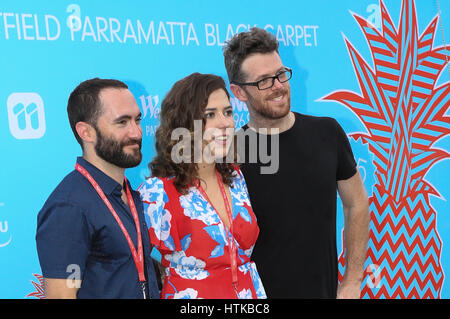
column 91, row 237
column 296, row 205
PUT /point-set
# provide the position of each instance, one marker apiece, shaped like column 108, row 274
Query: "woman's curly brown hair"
column 184, row 103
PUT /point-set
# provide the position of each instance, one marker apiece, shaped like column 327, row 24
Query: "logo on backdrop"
column 4, row 232
column 5, row 237
column 26, row 115
column 240, row 112
column 404, row 110
column 150, row 108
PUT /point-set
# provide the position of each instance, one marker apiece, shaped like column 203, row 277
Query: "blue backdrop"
column 49, row 47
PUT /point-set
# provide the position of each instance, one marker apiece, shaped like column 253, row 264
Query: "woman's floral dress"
column 193, row 243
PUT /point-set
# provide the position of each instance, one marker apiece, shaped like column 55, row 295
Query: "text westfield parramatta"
column 85, row 28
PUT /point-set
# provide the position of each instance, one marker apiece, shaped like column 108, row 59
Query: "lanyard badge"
column 233, row 249
column 138, row 255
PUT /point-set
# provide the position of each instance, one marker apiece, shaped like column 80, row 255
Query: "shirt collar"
column 107, row 184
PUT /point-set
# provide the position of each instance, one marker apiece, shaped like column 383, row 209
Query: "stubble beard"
column 111, row 151
column 263, row 108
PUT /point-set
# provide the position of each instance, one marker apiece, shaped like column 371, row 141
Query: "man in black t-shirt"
column 293, row 164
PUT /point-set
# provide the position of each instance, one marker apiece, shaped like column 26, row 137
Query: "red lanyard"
column 230, row 218
column 138, row 255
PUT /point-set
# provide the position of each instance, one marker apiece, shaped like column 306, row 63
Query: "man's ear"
column 238, row 92
column 86, row 132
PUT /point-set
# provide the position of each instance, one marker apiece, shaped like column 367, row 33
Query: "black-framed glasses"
column 268, row 82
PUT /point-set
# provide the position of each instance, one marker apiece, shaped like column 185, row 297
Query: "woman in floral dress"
column 196, row 202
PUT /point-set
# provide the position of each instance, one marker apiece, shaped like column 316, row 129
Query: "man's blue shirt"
column 77, row 235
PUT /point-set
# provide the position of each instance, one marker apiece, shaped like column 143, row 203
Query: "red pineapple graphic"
column 403, row 110
column 39, row 286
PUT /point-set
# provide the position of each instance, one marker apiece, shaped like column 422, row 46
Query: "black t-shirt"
column 296, row 254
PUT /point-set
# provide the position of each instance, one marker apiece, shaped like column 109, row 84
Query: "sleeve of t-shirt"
column 62, row 240
column 346, row 167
